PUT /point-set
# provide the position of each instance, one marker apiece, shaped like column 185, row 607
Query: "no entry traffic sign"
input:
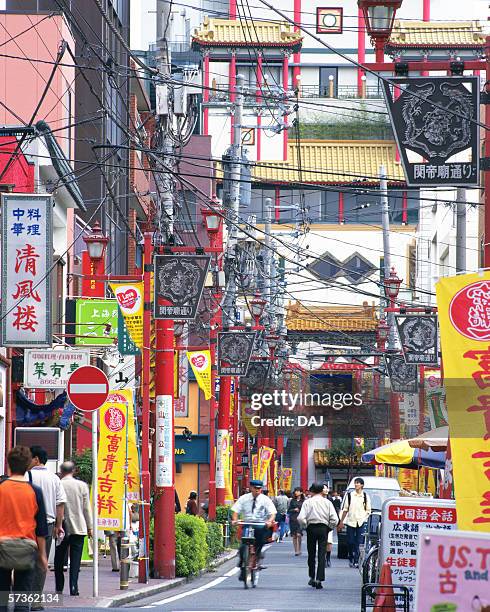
column 88, row 388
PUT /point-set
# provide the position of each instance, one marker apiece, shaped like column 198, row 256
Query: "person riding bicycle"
column 255, row 507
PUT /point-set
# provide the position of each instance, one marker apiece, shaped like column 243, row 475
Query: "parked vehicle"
column 379, row 489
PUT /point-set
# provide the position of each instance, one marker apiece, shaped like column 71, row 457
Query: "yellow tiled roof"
column 332, row 161
column 222, row 32
column 428, row 34
column 331, row 318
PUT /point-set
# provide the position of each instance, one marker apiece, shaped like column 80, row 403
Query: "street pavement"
column 282, row 588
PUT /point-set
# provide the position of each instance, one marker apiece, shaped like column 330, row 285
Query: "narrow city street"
column 282, row 587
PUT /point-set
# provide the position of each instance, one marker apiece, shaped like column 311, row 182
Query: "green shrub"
column 191, row 548
column 223, row 514
column 83, row 462
column 214, row 539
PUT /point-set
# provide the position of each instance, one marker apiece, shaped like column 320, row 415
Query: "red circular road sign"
column 88, row 388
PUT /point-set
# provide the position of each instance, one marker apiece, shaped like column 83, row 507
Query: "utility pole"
column 385, row 218
column 164, row 540
column 460, row 230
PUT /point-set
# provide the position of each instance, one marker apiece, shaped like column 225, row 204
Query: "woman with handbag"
column 23, row 530
column 293, row 513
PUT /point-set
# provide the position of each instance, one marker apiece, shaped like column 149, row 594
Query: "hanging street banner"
column 403, row 376
column 179, row 283
column 256, row 377
column 201, row 366
column 458, row 579
column 51, row 369
column 418, row 338
column 27, row 257
column 130, row 301
column 125, row 345
column 435, row 119
column 96, row 322
column 164, row 441
column 464, row 317
column 435, row 398
column 234, row 352
column 117, row 447
column 264, row 459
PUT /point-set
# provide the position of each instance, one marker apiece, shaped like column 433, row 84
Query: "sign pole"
column 95, row 467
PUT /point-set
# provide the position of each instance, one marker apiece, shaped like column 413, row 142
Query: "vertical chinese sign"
column 164, row 441
column 464, row 316
column 27, row 252
column 116, row 483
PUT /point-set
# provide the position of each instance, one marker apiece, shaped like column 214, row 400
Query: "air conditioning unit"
column 50, row 438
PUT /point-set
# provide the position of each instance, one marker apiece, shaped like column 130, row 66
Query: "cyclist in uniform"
column 255, row 506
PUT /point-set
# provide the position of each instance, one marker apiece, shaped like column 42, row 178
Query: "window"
column 328, row 74
column 354, row 269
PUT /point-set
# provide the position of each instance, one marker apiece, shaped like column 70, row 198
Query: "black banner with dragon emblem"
column 179, row 283
column 435, row 120
column 418, row 337
column 234, row 352
column 403, row 376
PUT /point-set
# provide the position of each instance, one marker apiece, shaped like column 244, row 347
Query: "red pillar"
column 341, row 208
column 144, row 525
column 205, row 95
column 223, row 428
column 487, row 172
column 236, row 409
column 404, row 207
column 421, row 400
column 297, row 55
column 164, row 542
column 304, row 462
column 361, row 49
column 426, row 17
column 212, row 414
column 285, row 85
column 233, row 9
column 394, row 416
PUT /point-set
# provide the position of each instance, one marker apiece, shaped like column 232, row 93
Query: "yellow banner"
column 270, row 482
column 265, row 457
column 130, row 301
column 247, row 414
column 255, row 465
column 408, row 479
column 201, row 366
column 286, row 478
column 116, row 443
column 464, row 317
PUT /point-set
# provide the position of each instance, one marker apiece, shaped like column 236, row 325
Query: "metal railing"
column 341, row 92
column 400, row 593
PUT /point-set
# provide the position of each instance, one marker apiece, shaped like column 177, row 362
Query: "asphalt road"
column 282, row 588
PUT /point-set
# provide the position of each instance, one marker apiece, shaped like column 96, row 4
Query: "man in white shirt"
column 319, row 517
column 54, row 501
column 255, row 507
column 355, row 512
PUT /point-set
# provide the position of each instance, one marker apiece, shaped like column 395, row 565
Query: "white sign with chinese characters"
column 52, row 369
column 164, row 436
column 402, row 520
column 27, row 254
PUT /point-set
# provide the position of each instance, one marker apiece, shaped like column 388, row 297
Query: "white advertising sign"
column 27, row 256
column 51, row 369
column 402, row 520
column 221, row 441
column 164, row 441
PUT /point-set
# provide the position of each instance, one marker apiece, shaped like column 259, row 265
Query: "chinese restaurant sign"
column 436, row 118
column 51, row 369
column 27, row 254
column 464, row 318
column 117, row 441
column 459, row 576
column 96, row 321
column 402, row 520
column 179, row 282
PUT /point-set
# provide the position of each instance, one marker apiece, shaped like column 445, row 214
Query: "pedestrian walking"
column 23, row 529
column 205, row 505
column 355, row 512
column 326, row 494
column 54, row 502
column 293, row 513
column 191, row 506
column 281, row 502
column 318, row 516
column 78, row 524
column 336, row 501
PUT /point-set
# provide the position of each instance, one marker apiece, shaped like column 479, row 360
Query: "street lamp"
column 379, row 16
column 392, row 285
column 272, row 341
column 213, row 219
column 96, row 242
column 382, row 333
column 257, row 305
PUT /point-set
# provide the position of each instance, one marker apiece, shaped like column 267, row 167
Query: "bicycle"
column 249, row 565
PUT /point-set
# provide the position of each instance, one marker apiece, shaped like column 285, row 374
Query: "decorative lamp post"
column 257, row 305
column 272, row 341
column 213, row 220
column 96, row 242
column 379, row 16
column 392, row 285
column 382, row 333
